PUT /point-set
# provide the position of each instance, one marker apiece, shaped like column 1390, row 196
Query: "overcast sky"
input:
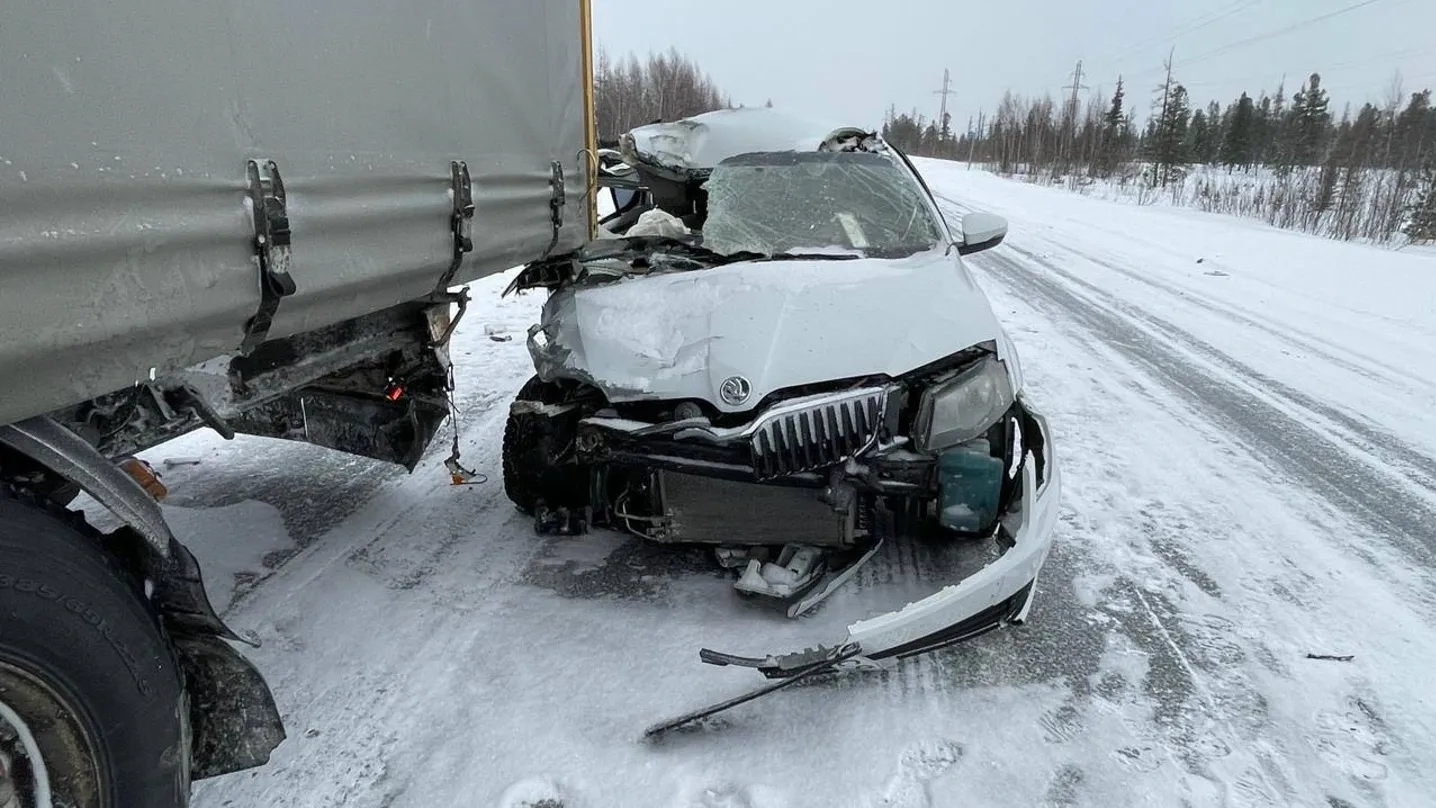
column 852, row 58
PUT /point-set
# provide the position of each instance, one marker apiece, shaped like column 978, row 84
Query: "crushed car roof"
column 703, row 141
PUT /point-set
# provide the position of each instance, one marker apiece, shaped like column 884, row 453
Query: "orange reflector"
column 141, row 473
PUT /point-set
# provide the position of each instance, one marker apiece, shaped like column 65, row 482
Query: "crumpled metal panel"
column 125, row 129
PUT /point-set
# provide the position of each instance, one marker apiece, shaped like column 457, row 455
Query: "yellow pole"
column 590, row 119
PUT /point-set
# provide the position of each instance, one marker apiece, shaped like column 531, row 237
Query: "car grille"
column 810, row 434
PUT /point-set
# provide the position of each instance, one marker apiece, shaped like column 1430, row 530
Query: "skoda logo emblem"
column 735, row 390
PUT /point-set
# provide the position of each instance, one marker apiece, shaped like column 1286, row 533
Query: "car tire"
column 85, row 668
column 531, row 449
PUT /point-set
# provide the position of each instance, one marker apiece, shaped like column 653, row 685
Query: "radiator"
column 704, row 510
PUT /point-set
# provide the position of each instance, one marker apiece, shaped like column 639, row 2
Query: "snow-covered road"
column 1249, row 448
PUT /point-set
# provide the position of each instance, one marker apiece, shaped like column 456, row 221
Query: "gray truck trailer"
column 251, row 216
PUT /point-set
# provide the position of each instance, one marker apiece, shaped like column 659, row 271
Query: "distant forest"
column 1368, row 174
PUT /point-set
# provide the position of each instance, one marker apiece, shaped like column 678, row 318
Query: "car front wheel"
column 535, row 473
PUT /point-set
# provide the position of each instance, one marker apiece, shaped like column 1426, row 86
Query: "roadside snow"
column 234, row 540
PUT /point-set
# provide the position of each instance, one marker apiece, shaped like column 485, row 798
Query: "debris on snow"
column 538, row 792
column 1332, row 657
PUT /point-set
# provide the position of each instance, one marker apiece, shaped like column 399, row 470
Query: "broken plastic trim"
column 980, row 602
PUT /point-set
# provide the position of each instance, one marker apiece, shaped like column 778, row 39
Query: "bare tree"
column 664, row 87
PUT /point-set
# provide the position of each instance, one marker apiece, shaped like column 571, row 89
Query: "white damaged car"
column 777, row 351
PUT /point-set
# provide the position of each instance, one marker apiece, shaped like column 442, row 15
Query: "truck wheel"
column 93, row 712
column 532, row 445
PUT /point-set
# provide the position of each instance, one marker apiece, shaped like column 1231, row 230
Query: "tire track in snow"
column 1308, row 342
column 1389, row 447
column 345, row 725
column 1350, row 485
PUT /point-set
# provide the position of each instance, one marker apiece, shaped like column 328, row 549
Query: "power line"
column 1190, row 26
column 1352, row 86
column 1279, row 32
column 1327, row 71
column 1419, row 50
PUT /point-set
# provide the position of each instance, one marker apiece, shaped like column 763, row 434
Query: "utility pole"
column 972, row 144
column 943, row 132
column 1074, row 87
column 1069, row 135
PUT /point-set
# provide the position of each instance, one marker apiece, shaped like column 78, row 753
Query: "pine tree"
column 1216, row 131
column 1311, row 123
column 1198, row 133
column 1238, row 146
column 1114, row 129
column 1262, row 131
column 1420, row 223
column 1167, row 148
column 1114, row 117
column 1278, row 130
column 1414, row 129
column 1362, row 138
column 931, row 140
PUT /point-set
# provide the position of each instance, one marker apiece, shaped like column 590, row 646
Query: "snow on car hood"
column 702, row 141
column 777, row 324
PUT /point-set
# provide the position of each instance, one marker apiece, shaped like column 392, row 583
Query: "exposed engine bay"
column 804, row 477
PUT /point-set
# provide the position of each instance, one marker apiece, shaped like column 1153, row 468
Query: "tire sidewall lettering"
column 87, row 615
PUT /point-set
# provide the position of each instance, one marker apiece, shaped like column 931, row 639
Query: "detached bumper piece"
column 788, row 665
column 998, row 594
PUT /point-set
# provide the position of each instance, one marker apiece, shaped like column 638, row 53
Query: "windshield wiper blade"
column 807, row 257
column 899, row 251
column 672, row 246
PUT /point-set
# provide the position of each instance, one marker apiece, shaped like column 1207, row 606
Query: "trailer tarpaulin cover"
column 126, row 133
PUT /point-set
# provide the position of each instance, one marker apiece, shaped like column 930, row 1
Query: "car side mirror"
column 981, row 231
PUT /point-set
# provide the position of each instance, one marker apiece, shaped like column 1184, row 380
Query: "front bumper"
column 998, row 594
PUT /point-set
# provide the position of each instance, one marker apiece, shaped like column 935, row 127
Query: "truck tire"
column 87, row 676
column 530, row 454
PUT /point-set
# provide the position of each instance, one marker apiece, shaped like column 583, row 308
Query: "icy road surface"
column 1249, row 443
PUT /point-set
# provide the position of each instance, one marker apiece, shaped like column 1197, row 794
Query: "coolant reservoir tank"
column 969, row 487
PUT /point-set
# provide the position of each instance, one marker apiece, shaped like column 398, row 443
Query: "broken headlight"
column 963, row 407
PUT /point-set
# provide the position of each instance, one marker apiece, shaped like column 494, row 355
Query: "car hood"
column 778, row 324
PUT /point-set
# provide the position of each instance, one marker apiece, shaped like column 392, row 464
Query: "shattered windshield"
column 773, row 203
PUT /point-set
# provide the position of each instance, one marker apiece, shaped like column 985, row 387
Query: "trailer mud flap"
column 233, row 717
